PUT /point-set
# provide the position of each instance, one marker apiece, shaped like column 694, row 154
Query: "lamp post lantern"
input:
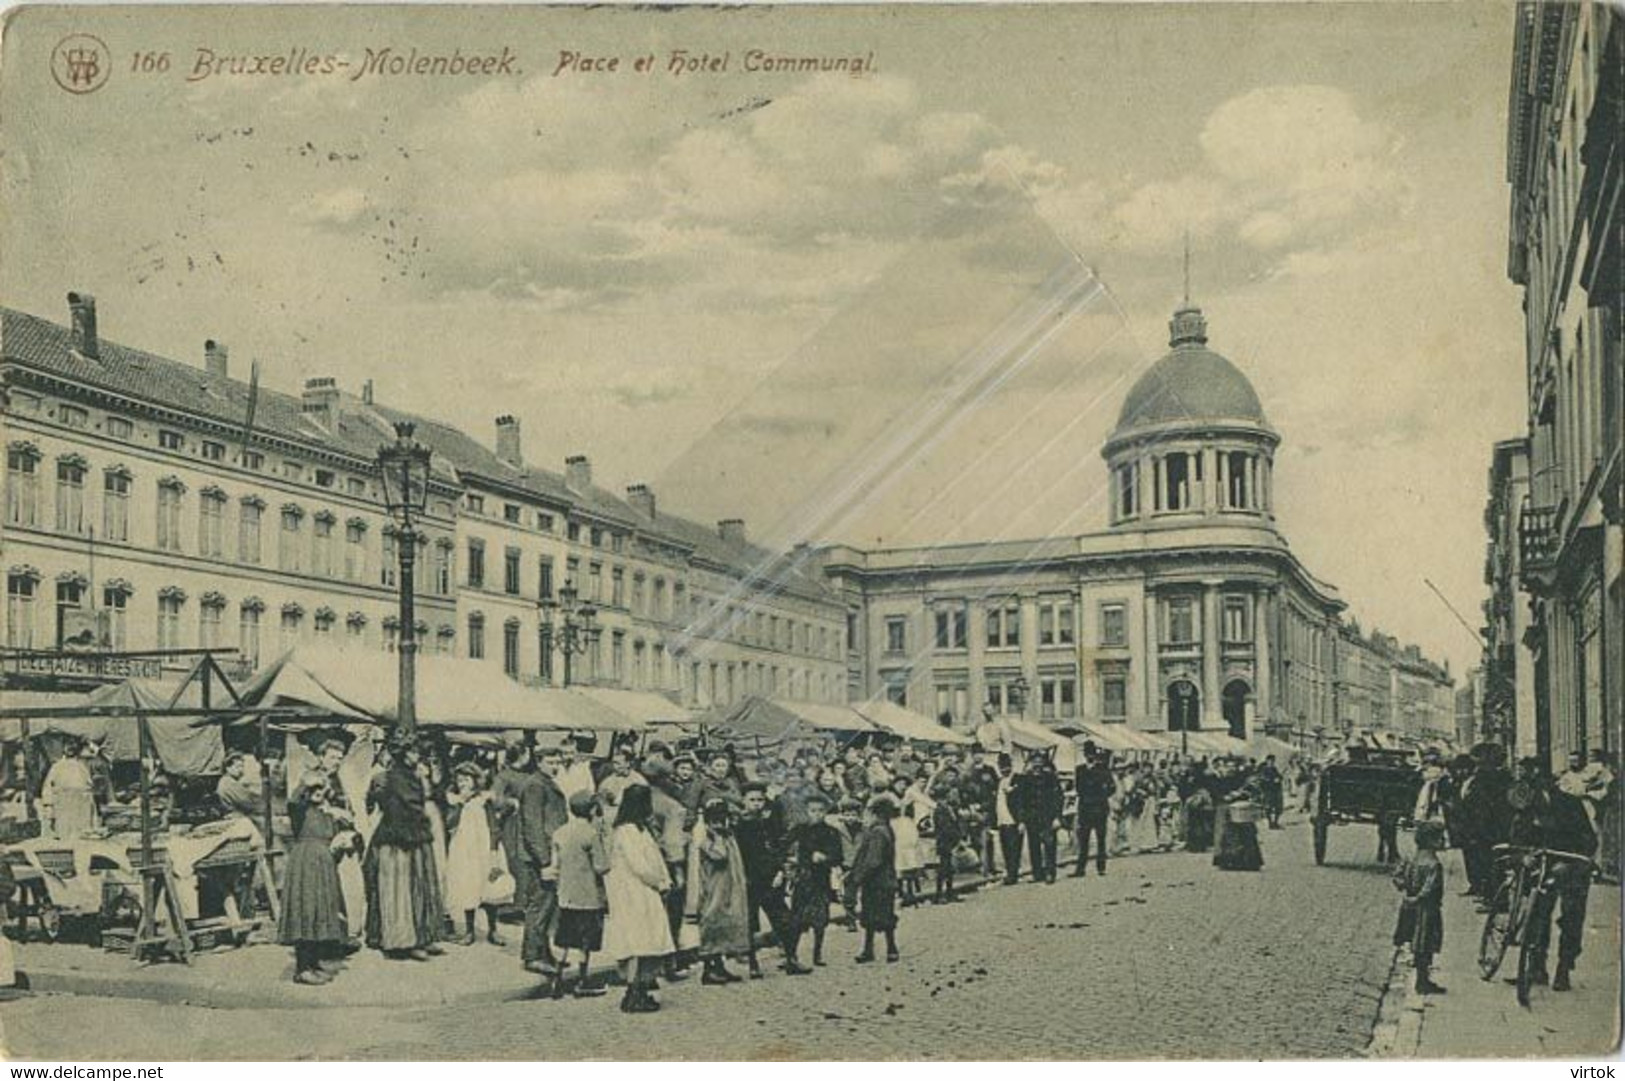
column 403, row 466
column 576, row 629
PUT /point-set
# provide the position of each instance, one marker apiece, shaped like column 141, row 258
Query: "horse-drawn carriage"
column 1376, row 786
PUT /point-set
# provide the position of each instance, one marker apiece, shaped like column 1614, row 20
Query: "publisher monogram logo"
column 80, row 63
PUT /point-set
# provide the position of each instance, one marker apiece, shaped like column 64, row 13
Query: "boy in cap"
column 1420, row 881
column 582, row 860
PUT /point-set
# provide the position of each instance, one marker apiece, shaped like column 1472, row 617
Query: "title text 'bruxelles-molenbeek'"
column 391, row 61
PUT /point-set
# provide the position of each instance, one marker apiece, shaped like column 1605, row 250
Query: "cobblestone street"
column 1163, row 957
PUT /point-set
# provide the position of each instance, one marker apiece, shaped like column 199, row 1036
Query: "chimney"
column 321, row 401
column 642, row 498
column 732, row 531
column 577, row 473
column 82, row 307
column 214, row 358
column 508, row 448
column 366, row 392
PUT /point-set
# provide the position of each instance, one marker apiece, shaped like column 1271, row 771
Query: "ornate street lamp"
column 403, row 467
column 571, row 622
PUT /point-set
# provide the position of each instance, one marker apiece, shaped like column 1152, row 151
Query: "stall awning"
column 897, row 720
column 1210, row 742
column 1030, row 737
column 644, row 707
column 182, row 749
column 1120, row 737
column 451, row 693
column 770, row 722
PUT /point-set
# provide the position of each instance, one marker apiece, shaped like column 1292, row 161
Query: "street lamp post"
column 575, row 631
column 404, row 468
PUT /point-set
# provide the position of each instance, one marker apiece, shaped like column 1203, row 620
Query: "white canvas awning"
column 897, row 720
column 644, row 707
column 451, row 693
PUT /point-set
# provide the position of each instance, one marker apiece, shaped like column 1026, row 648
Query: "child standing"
column 1420, row 881
column 871, row 885
column 582, row 859
column 312, row 900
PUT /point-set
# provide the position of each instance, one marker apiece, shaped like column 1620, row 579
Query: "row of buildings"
column 155, row 504
column 1554, row 658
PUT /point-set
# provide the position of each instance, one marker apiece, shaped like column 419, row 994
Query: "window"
column 896, row 634
column 392, row 634
column 248, row 531
column 322, row 623
column 211, row 523
column 1004, row 627
column 659, row 609
column 293, row 471
column 21, row 590
column 953, row 703
column 1055, row 620
column 617, row 655
column 170, row 491
column 321, row 545
column 639, row 674
column 355, row 627
column 1238, row 480
column 476, row 636
column 116, row 603
column 544, row 653
column 325, row 478
column 476, row 563
column 71, row 416
column 293, row 619
column 573, row 532
column 510, row 648
column 442, row 567
column 1113, row 698
column 544, row 578
column 355, row 550
column 1057, row 697
column 289, row 557
column 70, row 597
column 1126, row 490
column 1179, row 621
column 950, row 628
column 597, row 537
column 511, row 512
column 1181, row 476
column 170, row 600
column 544, row 522
column 637, row 590
column 70, row 496
column 216, row 452
column 510, row 571
column 253, row 459
column 22, row 486
column 1236, row 624
column 1113, row 625
column 119, row 428
column 595, row 582
column 210, row 608
column 389, row 562
column 572, row 571
column 171, row 440
column 356, row 486
column 476, row 503
column 617, row 542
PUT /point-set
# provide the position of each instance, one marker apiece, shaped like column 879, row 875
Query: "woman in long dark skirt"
column 871, row 884
column 1198, row 821
column 312, row 899
column 1238, row 840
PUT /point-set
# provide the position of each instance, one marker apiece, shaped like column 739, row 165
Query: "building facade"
column 1507, row 672
column 1567, row 240
column 1188, row 612
column 156, row 505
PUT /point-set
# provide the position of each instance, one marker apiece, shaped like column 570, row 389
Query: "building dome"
column 1190, row 384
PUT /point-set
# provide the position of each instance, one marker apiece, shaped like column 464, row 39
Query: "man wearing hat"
column 541, row 812
column 1094, row 786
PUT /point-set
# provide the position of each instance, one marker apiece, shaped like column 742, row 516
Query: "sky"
column 900, row 308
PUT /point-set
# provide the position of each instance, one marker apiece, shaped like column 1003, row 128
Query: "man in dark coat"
column 1271, row 788
column 1553, row 819
column 1487, row 816
column 1038, row 805
column 1094, row 787
column 763, row 845
column 542, row 811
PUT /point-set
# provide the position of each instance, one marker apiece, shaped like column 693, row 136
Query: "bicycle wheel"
column 1526, row 973
column 1497, row 934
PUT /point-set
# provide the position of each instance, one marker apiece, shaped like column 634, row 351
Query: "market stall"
column 766, row 726
column 888, row 715
column 1009, row 732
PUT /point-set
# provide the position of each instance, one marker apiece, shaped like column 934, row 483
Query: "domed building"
column 1187, row 613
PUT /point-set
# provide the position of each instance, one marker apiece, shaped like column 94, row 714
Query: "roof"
column 1190, row 383
column 133, row 373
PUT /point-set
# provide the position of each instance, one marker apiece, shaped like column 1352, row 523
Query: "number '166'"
column 150, row 63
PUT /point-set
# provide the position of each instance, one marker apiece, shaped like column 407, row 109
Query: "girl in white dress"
column 472, row 857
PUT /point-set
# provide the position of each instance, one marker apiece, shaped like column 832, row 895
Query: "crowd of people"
column 660, row 859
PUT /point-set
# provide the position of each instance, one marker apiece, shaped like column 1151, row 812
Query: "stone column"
column 1029, row 650
column 1261, row 656
column 1212, row 715
column 976, row 654
column 1151, row 669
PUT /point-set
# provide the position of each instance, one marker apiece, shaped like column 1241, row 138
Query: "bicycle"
column 1526, row 878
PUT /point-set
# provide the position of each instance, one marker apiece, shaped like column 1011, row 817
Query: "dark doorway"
column 1235, row 707
column 1183, row 706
